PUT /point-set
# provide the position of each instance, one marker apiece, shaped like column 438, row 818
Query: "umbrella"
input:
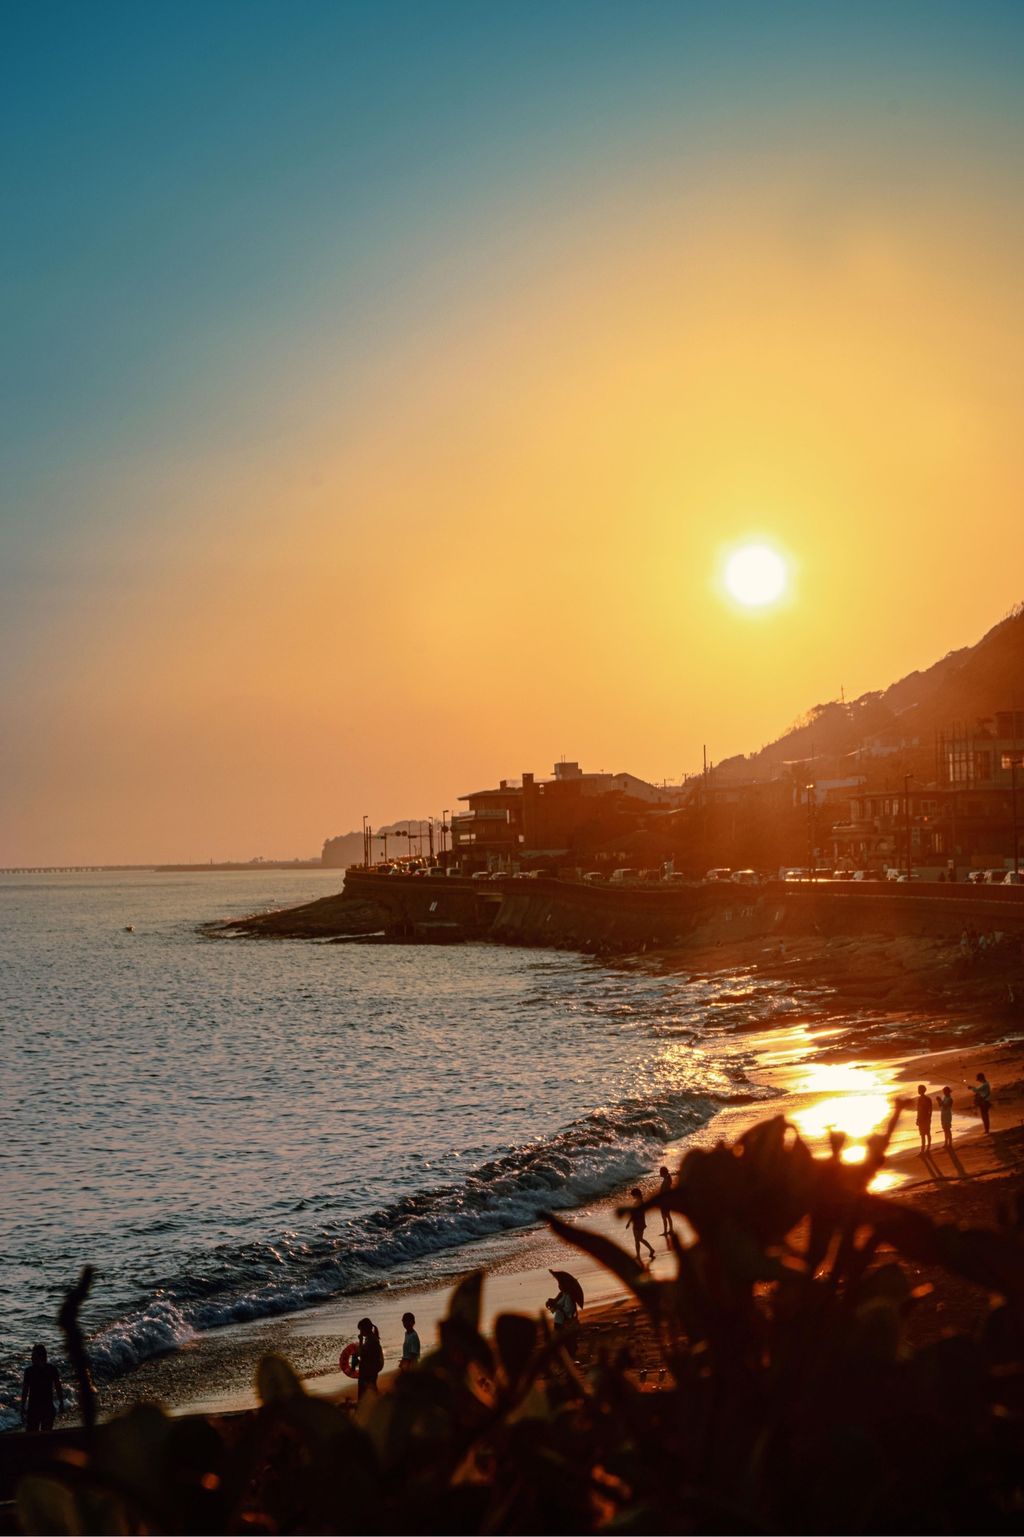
column 568, row 1283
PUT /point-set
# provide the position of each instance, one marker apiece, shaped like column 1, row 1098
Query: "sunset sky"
column 384, row 387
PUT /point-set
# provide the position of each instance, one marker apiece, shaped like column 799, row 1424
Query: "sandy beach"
column 836, row 1067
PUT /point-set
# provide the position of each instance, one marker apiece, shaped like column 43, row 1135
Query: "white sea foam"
column 244, row 1129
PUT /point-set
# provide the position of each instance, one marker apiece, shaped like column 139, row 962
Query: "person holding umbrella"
column 565, row 1307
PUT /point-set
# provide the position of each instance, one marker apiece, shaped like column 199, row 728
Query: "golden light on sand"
column 755, row 575
column 848, row 1097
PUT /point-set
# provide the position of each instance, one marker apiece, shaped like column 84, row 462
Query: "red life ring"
column 349, row 1360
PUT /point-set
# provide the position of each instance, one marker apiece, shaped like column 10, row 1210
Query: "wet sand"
column 820, row 1079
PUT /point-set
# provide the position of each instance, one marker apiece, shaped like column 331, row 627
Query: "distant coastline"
column 250, row 866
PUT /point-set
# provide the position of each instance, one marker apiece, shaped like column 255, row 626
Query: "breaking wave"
column 592, row 1156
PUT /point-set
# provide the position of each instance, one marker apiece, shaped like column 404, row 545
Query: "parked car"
column 719, row 874
column 994, row 877
column 745, row 877
column 481, row 875
column 1013, row 878
column 437, row 871
column 594, row 877
column 623, row 877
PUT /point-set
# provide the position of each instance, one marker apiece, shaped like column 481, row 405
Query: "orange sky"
column 387, row 565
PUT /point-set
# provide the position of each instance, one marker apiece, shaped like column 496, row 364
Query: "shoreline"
column 832, row 1050
column 818, row 1076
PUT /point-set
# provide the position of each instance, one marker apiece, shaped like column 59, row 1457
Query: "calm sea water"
column 233, row 1128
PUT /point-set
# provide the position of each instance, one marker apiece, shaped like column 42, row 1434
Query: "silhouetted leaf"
column 46, row 1506
column 276, row 1380
column 516, row 1338
column 465, row 1304
column 608, row 1254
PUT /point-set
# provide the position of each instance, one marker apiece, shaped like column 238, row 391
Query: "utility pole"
column 1013, row 761
column 906, row 817
column 430, row 837
column 704, row 812
column 366, row 843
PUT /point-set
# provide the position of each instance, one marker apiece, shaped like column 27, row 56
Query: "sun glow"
column 755, row 575
column 855, row 1098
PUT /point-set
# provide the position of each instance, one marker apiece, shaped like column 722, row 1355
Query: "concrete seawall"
column 597, row 918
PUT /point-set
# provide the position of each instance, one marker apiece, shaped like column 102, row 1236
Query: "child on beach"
column 924, row 1117
column 946, row 1118
column 371, row 1356
column 664, row 1193
column 41, row 1382
column 637, row 1220
column 410, row 1345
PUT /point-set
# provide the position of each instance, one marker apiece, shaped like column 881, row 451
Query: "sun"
column 755, row 575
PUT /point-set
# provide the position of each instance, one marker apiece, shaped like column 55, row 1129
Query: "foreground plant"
column 793, row 1401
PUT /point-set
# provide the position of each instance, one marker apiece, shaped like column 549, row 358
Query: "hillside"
column 964, row 686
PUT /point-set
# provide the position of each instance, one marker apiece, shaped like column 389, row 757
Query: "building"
column 874, row 834
column 489, row 834
column 548, row 822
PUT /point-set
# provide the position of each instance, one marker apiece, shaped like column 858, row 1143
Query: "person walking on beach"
column 637, row 1221
column 946, row 1118
column 41, row 1382
column 663, row 1206
column 410, row 1345
column 982, row 1098
column 924, row 1118
column 371, row 1356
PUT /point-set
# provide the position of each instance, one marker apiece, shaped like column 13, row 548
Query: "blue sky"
column 221, row 218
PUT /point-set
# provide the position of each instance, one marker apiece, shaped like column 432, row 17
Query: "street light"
column 1013, row 761
column 366, row 842
column 906, row 819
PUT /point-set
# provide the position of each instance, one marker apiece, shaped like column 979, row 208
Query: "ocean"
column 229, row 1129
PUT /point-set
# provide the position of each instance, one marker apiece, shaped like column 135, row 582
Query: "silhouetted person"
column 924, row 1118
column 637, row 1221
column 410, row 1345
column 663, row 1206
column 40, row 1384
column 371, row 1356
column 946, row 1118
column 562, row 1309
column 982, row 1097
